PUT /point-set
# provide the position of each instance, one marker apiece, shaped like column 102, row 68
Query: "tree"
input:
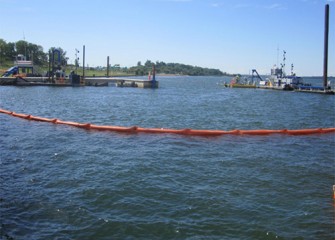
column 148, row 64
column 10, row 52
column 7, row 51
column 37, row 54
column 174, row 68
column 2, row 49
column 21, row 47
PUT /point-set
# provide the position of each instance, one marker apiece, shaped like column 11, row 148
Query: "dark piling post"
column 84, row 62
column 53, row 66
column 108, row 66
column 49, row 66
column 153, row 82
column 325, row 56
column 153, row 72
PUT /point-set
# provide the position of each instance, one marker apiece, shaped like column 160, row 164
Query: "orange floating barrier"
column 327, row 130
column 20, row 115
column 186, row 131
column 234, row 132
column 5, row 111
column 74, row 124
column 157, row 130
column 114, row 128
column 85, row 125
column 40, row 119
column 304, row 131
column 205, row 133
column 259, row 132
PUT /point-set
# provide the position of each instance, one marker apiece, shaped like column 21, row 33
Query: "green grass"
column 100, row 73
column 88, row 72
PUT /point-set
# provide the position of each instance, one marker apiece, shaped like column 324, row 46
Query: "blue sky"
column 234, row 36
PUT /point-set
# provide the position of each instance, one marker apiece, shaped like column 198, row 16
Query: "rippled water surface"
column 59, row 182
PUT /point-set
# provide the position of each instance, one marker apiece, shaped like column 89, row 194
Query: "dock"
column 121, row 82
column 319, row 90
column 87, row 81
column 39, row 81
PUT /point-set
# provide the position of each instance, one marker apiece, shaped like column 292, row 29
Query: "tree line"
column 174, row 68
column 35, row 53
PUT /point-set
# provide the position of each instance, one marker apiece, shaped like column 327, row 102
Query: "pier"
column 310, row 89
column 121, row 82
column 88, row 81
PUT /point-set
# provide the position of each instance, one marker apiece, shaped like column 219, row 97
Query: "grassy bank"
column 4, row 66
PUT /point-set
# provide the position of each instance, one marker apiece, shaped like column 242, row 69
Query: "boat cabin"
column 24, row 67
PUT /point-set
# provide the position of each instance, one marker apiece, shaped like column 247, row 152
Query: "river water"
column 60, row 182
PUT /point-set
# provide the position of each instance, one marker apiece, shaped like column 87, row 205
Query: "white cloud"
column 275, row 6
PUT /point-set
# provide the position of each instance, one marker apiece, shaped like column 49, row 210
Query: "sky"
column 234, row 36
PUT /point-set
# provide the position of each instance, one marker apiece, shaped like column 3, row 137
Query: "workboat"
column 279, row 80
column 241, row 82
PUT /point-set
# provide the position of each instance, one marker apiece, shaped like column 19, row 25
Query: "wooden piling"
column 325, row 56
column 84, row 62
column 108, row 66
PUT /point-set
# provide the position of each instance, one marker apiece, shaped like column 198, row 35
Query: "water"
column 60, row 182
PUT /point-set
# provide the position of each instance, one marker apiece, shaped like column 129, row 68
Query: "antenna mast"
column 283, row 64
column 25, row 47
column 277, row 55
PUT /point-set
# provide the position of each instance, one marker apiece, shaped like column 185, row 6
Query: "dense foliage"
column 173, row 68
